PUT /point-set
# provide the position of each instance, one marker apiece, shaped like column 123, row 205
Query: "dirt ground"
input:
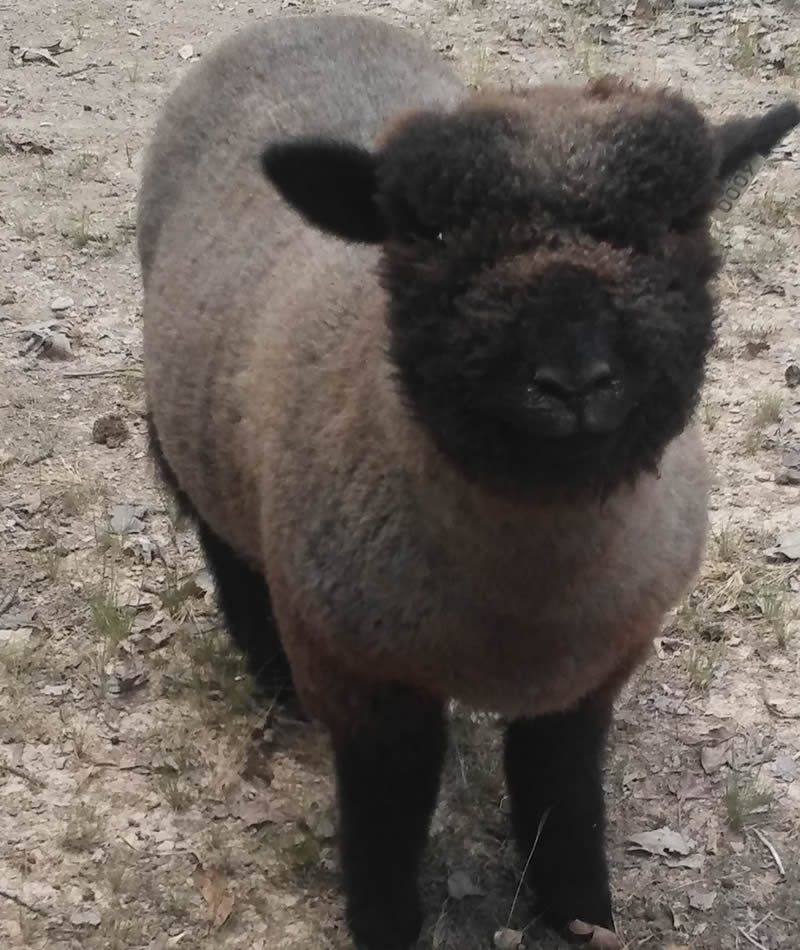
column 145, row 802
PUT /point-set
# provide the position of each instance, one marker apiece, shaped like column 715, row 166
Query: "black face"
column 547, row 262
column 563, row 370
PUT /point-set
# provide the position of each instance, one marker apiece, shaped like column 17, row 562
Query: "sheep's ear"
column 333, row 185
column 741, row 141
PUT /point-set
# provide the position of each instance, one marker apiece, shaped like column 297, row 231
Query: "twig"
column 8, row 599
column 773, row 710
column 21, row 903
column 82, row 374
column 144, row 769
column 77, row 72
column 542, row 820
column 21, row 773
column 750, row 939
column 41, row 457
column 772, row 850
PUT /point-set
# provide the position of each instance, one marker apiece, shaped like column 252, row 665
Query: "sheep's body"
column 330, row 488
column 398, row 576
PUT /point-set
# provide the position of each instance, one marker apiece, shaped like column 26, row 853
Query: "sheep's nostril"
column 565, row 383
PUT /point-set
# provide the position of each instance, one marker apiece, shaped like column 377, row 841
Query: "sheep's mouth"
column 587, row 422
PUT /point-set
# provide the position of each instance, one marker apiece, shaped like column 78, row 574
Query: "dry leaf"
column 784, row 707
column 38, row 55
column 787, row 547
column 459, row 886
column 253, row 814
column 47, row 340
column 679, row 918
column 24, row 617
column 702, row 900
column 505, row 939
column 157, row 638
column 687, row 787
column 694, row 862
column 662, row 841
column 146, row 619
column 712, row 758
column 214, row 888
column 144, row 548
column 127, row 519
column 125, row 674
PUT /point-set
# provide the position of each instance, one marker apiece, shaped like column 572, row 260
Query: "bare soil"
column 145, row 800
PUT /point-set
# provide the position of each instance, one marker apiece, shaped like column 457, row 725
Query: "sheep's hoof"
column 587, row 935
column 392, row 928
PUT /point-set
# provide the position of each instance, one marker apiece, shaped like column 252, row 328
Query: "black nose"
column 565, row 383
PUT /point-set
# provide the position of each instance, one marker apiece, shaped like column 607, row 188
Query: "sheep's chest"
column 519, row 617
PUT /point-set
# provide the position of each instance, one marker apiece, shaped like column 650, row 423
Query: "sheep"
column 422, row 363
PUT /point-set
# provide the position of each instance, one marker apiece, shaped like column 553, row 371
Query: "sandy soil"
column 144, row 801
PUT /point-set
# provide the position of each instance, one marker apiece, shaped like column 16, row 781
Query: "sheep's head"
column 548, row 262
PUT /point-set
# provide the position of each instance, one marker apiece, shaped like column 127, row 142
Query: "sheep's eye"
column 419, row 232
column 427, row 234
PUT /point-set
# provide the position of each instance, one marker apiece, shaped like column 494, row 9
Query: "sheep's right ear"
column 740, row 140
column 333, row 185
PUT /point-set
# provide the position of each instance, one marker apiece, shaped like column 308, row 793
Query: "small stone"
column 56, row 346
column 59, row 689
column 19, row 636
column 86, row 918
column 60, row 304
column 792, row 375
column 186, row 52
column 788, row 476
column 110, row 430
column 784, row 767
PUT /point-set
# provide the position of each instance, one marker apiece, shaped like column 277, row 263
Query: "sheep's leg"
column 243, row 593
column 388, row 767
column 246, row 605
column 554, row 772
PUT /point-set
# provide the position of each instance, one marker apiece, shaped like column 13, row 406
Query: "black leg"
column 243, row 593
column 245, row 602
column 554, row 773
column 388, row 768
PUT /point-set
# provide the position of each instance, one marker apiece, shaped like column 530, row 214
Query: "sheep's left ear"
column 740, row 141
column 333, row 185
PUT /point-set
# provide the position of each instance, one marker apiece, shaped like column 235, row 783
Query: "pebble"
column 60, row 304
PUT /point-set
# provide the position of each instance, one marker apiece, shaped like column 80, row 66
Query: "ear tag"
column 737, row 185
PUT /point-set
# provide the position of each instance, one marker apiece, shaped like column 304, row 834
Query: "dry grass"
column 746, row 802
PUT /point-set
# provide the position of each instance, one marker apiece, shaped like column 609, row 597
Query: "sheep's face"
column 547, row 263
column 566, row 365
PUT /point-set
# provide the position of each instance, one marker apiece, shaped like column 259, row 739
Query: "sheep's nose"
column 566, row 383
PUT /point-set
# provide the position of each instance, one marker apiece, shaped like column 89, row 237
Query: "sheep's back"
column 244, row 303
column 342, row 76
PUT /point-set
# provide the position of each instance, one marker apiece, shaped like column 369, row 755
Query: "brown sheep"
column 422, row 364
